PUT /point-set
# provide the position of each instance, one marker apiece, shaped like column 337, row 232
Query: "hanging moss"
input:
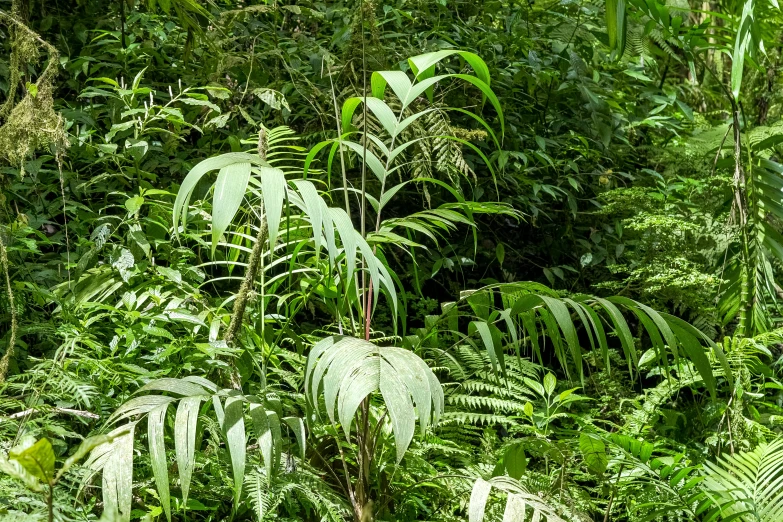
column 32, row 123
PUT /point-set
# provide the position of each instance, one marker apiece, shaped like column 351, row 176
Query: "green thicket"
column 403, row 260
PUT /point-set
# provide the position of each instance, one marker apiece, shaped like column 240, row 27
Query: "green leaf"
column 347, row 370
column 156, row 421
column 116, row 461
column 397, row 80
column 515, row 508
column 535, row 386
column 199, row 171
column 234, row 428
column 515, row 461
column 16, row 471
column 550, row 381
column 741, row 46
column 139, row 406
column 202, row 103
column 185, row 441
column 273, row 186
column 38, row 460
column 478, row 500
column 181, row 387
column 230, row 190
column 594, row 452
column 296, row 424
column 87, row 445
column 615, row 25
column 748, row 484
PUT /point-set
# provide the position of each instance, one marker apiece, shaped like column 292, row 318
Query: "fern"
column 747, row 486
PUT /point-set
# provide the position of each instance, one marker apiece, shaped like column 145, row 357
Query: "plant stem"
column 9, row 352
column 243, row 296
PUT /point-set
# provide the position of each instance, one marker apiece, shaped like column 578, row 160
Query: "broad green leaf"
column 478, row 500
column 296, row 424
column 346, row 370
column 741, row 46
column 185, row 441
column 230, row 189
column 400, row 407
column 87, row 445
column 15, row 470
column 594, row 452
column 616, row 25
column 550, row 381
column 199, row 171
column 515, row 508
column 397, row 80
column 515, row 461
column 37, row 459
column 181, row 387
column 376, row 166
column 535, row 386
column 201, row 103
column 266, row 441
column 139, row 406
column 118, row 474
column 156, row 422
column 234, row 428
column 274, row 191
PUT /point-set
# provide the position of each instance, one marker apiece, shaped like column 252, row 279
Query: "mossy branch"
column 240, row 303
column 32, row 123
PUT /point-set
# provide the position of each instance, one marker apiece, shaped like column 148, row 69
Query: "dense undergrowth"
column 402, row 260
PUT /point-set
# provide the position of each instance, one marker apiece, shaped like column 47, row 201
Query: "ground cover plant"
column 392, row 260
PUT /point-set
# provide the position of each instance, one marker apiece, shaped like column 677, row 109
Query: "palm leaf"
column 521, row 505
column 347, row 370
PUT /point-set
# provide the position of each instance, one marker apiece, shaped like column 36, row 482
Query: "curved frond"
column 347, row 370
column 748, row 486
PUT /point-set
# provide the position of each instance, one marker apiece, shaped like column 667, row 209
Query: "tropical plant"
column 260, row 263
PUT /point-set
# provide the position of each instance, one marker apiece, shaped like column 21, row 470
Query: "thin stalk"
column 339, row 136
column 614, row 491
column 361, row 510
column 50, row 504
column 9, row 352
column 745, row 219
column 747, row 297
column 122, row 23
column 363, row 217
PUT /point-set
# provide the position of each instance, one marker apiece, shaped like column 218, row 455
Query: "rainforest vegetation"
column 391, row 260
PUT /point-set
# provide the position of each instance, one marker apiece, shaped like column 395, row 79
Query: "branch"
column 69, row 411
